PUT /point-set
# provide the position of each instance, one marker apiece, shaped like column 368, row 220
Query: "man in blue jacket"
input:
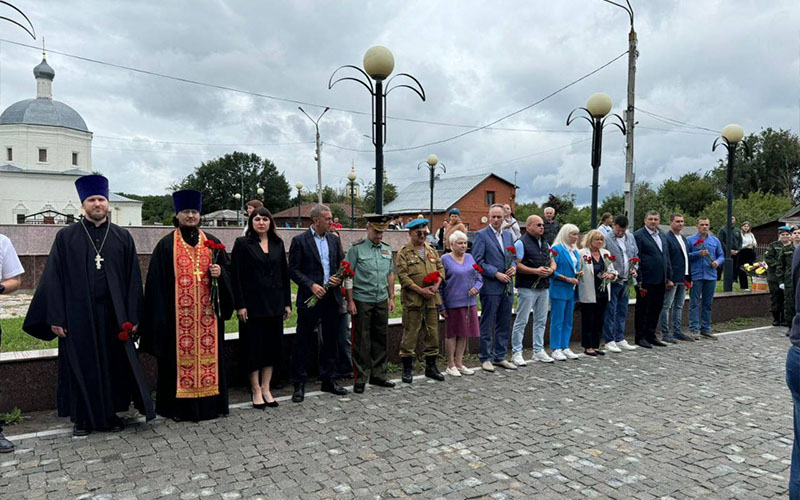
column 653, row 280
column 490, row 251
column 678, row 249
column 705, row 256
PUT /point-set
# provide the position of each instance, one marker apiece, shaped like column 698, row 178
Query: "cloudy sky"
column 706, row 63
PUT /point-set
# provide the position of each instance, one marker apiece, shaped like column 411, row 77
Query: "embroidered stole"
column 196, row 343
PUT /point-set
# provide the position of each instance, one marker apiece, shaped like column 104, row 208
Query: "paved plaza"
column 700, row 420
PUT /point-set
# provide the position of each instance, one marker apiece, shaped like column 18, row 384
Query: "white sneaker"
column 466, row 371
column 518, row 360
column 487, row 366
column 453, row 372
column 541, row 357
column 624, row 345
column 569, row 354
column 558, row 355
column 505, row 364
column 612, row 347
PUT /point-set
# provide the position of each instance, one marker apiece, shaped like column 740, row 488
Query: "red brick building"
column 473, row 195
column 289, row 217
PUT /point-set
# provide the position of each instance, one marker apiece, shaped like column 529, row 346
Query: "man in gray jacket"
column 623, row 248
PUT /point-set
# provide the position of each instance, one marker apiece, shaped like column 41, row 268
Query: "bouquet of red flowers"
column 700, row 244
column 344, row 272
column 215, row 248
column 634, row 266
column 432, row 278
column 127, row 332
column 511, row 255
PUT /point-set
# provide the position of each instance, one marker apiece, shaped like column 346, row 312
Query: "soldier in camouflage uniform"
column 370, row 300
column 421, row 302
column 775, row 273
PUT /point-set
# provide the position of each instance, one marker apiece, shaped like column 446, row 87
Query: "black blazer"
column 305, row 266
column 677, row 267
column 260, row 281
column 654, row 264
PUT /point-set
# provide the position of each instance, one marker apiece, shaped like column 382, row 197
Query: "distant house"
column 472, row 194
column 222, row 218
column 768, row 232
column 290, row 216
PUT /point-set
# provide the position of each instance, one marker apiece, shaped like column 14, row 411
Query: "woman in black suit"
column 262, row 297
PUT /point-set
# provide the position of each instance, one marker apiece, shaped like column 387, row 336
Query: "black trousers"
column 745, row 256
column 648, row 310
column 592, row 319
column 326, row 313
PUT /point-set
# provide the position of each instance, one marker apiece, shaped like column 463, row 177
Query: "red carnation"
column 587, row 258
column 431, row 279
column 635, row 260
column 687, row 285
column 123, row 336
column 511, row 250
column 477, row 268
column 553, row 252
column 127, row 327
column 209, row 244
column 699, row 242
column 219, row 246
column 643, row 292
column 612, row 258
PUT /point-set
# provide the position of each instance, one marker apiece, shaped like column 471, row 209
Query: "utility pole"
column 318, row 156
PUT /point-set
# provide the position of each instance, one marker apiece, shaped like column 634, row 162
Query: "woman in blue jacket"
column 562, row 291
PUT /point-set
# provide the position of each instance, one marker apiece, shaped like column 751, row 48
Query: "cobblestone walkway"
column 702, row 420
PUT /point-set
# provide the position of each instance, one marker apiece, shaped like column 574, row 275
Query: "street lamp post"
column 431, row 164
column 352, row 179
column 731, row 136
column 318, row 156
column 299, row 187
column 597, row 109
column 378, row 65
column 238, row 197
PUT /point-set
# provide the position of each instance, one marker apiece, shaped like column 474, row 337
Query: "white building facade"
column 45, row 146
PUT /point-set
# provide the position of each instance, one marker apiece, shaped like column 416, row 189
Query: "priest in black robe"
column 183, row 323
column 91, row 287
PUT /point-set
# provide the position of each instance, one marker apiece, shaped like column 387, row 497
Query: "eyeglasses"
column 539, row 225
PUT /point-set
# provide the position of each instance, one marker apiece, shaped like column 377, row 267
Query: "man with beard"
column 182, row 326
column 89, row 295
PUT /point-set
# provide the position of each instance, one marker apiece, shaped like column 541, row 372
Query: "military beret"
column 417, row 223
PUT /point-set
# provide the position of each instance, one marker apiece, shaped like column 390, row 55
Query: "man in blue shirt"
column 705, row 256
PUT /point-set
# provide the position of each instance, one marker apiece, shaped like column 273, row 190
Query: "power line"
column 674, row 122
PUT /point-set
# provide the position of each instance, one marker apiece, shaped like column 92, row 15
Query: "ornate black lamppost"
column 597, row 108
column 432, row 163
column 731, row 136
column 299, row 187
column 352, row 181
column 378, row 65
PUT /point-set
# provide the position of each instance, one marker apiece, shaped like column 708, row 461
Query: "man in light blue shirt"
column 705, row 256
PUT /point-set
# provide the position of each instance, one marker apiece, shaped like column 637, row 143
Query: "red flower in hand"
column 209, row 244
column 643, row 292
column 687, row 285
column 477, row 268
column 612, row 258
column 587, row 258
column 219, row 246
column 511, row 250
column 635, row 260
column 553, row 253
column 127, row 329
column 431, row 279
column 699, row 242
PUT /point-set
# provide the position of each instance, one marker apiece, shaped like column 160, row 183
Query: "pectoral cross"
column 98, row 261
column 199, row 275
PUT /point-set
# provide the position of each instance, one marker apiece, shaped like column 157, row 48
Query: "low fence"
column 29, row 377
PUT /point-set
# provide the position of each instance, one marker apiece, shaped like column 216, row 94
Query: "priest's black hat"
column 92, row 185
column 187, row 199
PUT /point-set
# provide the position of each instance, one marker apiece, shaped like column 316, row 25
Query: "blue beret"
column 416, row 223
column 91, row 185
column 788, row 229
column 187, row 199
column 454, row 211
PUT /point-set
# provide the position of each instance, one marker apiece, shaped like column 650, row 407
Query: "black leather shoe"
column 358, row 388
column 116, row 425
column 6, row 446
column 644, row 343
column 381, row 383
column 408, row 373
column 79, row 430
column 658, row 343
column 299, row 393
column 708, row 335
column 431, row 370
column 334, row 388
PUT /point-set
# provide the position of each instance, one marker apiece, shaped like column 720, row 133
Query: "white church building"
column 44, row 146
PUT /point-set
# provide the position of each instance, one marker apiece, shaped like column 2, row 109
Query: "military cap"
column 787, row 228
column 454, row 210
column 378, row 222
column 417, row 224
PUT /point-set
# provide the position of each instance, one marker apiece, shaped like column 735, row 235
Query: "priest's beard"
column 98, row 216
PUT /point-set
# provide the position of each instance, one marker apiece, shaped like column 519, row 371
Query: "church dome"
column 43, row 70
column 43, row 111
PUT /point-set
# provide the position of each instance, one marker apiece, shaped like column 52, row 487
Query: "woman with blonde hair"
column 594, row 290
column 562, row 291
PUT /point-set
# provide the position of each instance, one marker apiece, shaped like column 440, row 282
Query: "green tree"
column 690, row 193
column 156, row 209
column 646, row 199
column 524, row 210
column 563, row 204
column 368, row 201
column 220, row 179
column 757, row 208
column 581, row 217
column 613, row 204
column 772, row 167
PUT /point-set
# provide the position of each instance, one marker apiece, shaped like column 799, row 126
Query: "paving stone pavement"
column 710, row 419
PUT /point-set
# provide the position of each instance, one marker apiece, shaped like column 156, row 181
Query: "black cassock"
column 98, row 374
column 159, row 335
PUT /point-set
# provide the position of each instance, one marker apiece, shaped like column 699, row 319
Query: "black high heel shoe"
column 273, row 404
column 257, row 406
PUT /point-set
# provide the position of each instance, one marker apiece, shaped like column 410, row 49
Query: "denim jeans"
column 561, row 318
column 616, row 313
column 793, row 382
column 530, row 300
column 673, row 301
column 701, row 297
column 495, row 326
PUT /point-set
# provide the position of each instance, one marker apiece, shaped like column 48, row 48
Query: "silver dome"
column 43, row 112
column 43, row 70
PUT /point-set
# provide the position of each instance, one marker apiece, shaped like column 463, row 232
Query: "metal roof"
column 43, row 112
column 118, row 198
column 416, row 197
column 14, row 169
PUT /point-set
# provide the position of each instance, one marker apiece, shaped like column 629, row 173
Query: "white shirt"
column 514, row 227
column 499, row 236
column 748, row 240
column 10, row 265
column 656, row 237
column 624, row 249
column 685, row 255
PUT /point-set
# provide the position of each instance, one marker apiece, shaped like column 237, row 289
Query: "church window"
column 9, row 154
column 75, row 158
column 20, row 218
column 42, row 155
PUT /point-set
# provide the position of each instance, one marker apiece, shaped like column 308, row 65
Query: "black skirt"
column 261, row 342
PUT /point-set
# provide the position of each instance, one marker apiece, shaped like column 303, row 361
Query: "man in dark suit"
column 793, row 378
column 654, row 269
column 314, row 258
column 674, row 298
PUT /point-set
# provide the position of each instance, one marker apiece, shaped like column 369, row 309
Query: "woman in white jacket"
column 594, row 289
